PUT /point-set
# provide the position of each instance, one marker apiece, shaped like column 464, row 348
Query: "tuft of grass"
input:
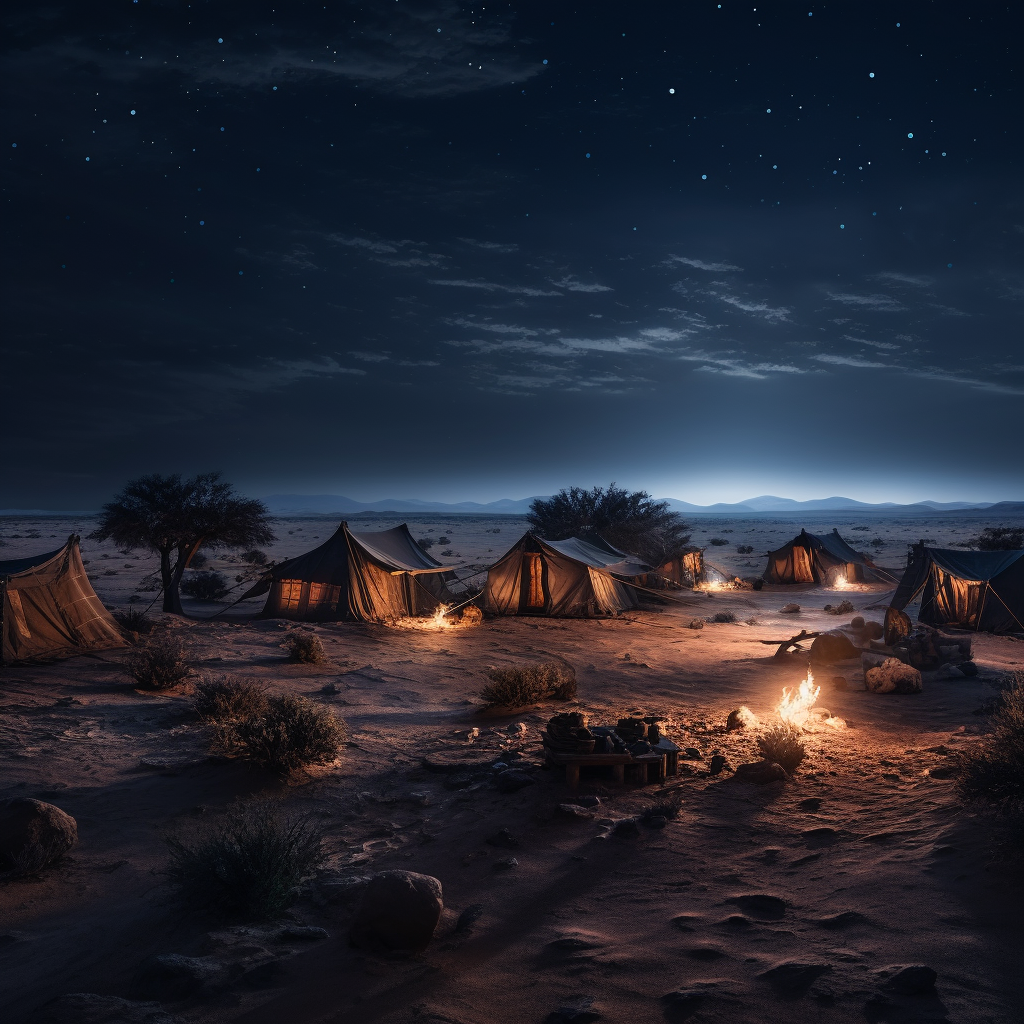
column 221, row 699
column 783, row 746
column 252, row 864
column 719, row 541
column 663, row 809
column 158, row 664
column 723, row 617
column 745, row 549
column 843, row 608
column 526, row 684
column 135, row 621
column 425, row 543
column 205, row 586
column 306, row 648
column 255, row 557
column 993, row 771
column 288, row 733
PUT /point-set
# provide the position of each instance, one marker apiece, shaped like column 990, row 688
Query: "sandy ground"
column 644, row 916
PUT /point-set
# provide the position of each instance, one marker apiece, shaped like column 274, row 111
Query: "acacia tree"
column 177, row 517
column 632, row 521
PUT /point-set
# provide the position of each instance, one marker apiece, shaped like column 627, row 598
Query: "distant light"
column 943, row 154
column 202, row 222
column 14, row 145
column 133, row 113
column 588, row 156
column 950, row 265
column 220, row 40
column 874, row 213
column 910, row 135
column 775, row 167
column 438, row 30
column 257, row 170
column 543, row 62
column 842, row 227
column 671, row 92
column 704, row 177
column 222, row 129
column 87, row 159
column 275, row 88
column 240, row 273
column 871, row 74
column 769, row 110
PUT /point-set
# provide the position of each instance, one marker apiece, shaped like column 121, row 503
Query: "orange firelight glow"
column 797, row 708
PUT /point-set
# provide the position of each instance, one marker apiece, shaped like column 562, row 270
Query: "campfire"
column 797, row 707
column 438, row 620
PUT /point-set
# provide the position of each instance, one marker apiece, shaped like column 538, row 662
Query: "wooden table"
column 671, row 752
column 618, row 763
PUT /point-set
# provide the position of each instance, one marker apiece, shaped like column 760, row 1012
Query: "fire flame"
column 438, row 620
column 795, row 707
column 842, row 583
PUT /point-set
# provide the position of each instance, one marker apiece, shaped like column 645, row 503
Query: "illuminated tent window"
column 533, row 571
column 323, row 594
column 291, row 591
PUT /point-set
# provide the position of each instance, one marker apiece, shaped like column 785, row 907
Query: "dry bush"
column 306, row 648
column 255, row 557
column 135, row 621
column 783, row 746
column 159, row 663
column 287, row 734
column 205, row 586
column 251, row 864
column 993, row 771
column 221, row 699
column 696, row 623
column 425, row 543
column 669, row 808
column 843, row 608
column 36, row 855
column 526, row 684
column 723, row 617
column 719, row 541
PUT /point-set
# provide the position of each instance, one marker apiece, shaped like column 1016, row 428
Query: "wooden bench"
column 617, row 762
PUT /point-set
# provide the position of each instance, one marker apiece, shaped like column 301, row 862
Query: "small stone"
column 857, row 622
column 794, row 978
column 968, row 668
column 503, row 839
column 588, row 801
column 873, row 630
column 303, row 933
column 469, row 917
column 506, row 864
column 574, row 811
column 790, row 609
column 950, row 671
column 656, row 821
column 692, row 754
column 812, row 803
column 169, row 976
column 683, row 1002
column 893, row 676
column 626, row 828
column 847, row 919
column 916, row 980
column 831, row 647
column 718, row 762
column 839, row 683
column 760, row 773
column 513, row 780
column 579, row 1011
column 399, row 911
column 696, row 623
column 760, row 905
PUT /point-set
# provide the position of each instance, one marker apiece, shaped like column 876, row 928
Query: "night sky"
column 465, row 252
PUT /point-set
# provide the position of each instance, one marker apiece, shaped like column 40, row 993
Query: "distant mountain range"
column 336, row 504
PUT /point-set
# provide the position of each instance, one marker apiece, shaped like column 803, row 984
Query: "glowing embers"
column 438, row 620
column 797, row 707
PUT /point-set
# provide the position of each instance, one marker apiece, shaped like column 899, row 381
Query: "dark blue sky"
column 461, row 251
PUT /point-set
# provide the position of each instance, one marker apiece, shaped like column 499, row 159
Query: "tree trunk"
column 171, row 578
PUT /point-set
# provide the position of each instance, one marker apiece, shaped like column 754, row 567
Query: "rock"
column 89, row 1008
column 831, row 647
column 579, row 1011
column 656, row 821
column 839, row 683
column 462, row 780
column 574, row 811
column 588, row 801
column 506, row 864
column 705, row 953
column 760, row 905
column 399, row 911
column 741, row 718
column 916, row 980
column 718, row 762
column 950, row 671
column 968, row 668
column 943, row 771
column 625, row 828
column 893, row 676
column 794, row 978
column 696, row 623
column 302, row 933
column 812, row 803
column 682, row 1003
column 33, row 833
column 873, row 630
column 504, row 840
column 790, row 609
column 471, row 616
column 760, row 773
column 847, row 919
column 692, row 754
column 513, row 780
column 469, row 917
column 169, row 976
column 857, row 622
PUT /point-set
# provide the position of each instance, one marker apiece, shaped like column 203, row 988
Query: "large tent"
column 826, row 560
column 50, row 610
column 371, row 577
column 981, row 590
column 573, row 577
column 686, row 569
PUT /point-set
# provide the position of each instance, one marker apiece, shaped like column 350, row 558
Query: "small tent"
column 980, row 590
column 369, row 577
column 49, row 609
column 687, row 569
column 572, row 577
column 812, row 559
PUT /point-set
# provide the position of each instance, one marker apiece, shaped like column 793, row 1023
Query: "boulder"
column 790, row 609
column 399, row 912
column 760, row 773
column 302, row 933
column 89, row 1008
column 794, row 978
column 169, row 976
column 33, row 833
column 574, row 811
column 839, row 683
column 916, row 980
column 718, row 762
column 873, row 630
column 857, row 622
column 513, row 780
column 503, row 839
column 832, row 647
column 893, row 676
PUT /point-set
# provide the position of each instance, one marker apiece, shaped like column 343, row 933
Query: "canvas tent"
column 981, row 590
column 573, row 577
column 812, row 559
column 686, row 569
column 369, row 577
column 49, row 609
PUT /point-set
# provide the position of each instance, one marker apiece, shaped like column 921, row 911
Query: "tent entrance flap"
column 802, row 571
column 533, row 596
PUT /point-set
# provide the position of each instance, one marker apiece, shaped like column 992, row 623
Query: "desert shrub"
column 251, row 864
column 205, row 586
column 877, row 542
column 843, row 608
column 306, row 648
column 447, row 553
column 135, row 621
column 223, row 699
column 254, row 556
column 525, row 684
column 719, row 541
column 783, row 746
column 286, row 734
column 198, row 561
column 425, row 543
column 723, row 617
column 663, row 809
column 444, row 539
column 159, row 663
column 745, row 549
column 993, row 771
column 1000, row 538
column 696, row 623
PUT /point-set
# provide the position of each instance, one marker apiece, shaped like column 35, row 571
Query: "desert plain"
column 868, row 860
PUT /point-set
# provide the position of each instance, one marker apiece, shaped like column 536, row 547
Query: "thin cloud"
column 834, row 360
column 490, row 286
column 881, row 303
column 874, row 344
column 571, row 284
column 702, row 265
column 491, row 246
column 761, row 309
column 952, row 377
column 894, row 275
column 370, row 244
column 729, row 367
